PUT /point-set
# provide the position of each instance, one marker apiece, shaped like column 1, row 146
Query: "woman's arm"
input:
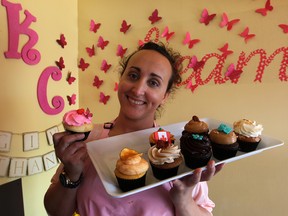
column 181, row 193
column 58, row 199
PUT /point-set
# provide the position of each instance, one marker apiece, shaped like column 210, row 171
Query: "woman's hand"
column 181, row 193
column 71, row 152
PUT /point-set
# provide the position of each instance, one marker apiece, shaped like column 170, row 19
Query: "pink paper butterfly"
column 154, row 17
column 187, row 40
column 71, row 99
column 116, row 86
column 245, row 34
column 62, row 41
column 191, row 86
column 284, row 27
column 140, row 43
column 206, row 18
column 94, row 26
column 97, row 82
column 120, row 51
column 104, row 98
column 195, row 64
column 70, row 79
column 91, row 51
column 225, row 50
column 60, row 64
column 232, row 73
column 124, row 26
column 167, row 34
column 102, row 43
column 83, row 65
column 263, row 11
column 225, row 22
column 105, row 66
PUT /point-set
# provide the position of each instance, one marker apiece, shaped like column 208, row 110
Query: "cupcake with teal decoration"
column 196, row 149
column 224, row 142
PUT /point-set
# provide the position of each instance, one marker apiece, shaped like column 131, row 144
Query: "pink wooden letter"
column 57, row 101
column 15, row 29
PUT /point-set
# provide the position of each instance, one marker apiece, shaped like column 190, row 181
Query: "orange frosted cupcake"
column 78, row 121
column 130, row 170
column 224, row 142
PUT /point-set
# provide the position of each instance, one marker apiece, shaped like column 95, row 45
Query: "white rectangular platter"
column 105, row 152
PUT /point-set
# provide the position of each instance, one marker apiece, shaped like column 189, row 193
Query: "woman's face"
column 142, row 87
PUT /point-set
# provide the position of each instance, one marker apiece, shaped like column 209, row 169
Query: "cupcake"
column 78, row 121
column 196, row 149
column 155, row 136
column 224, row 142
column 195, row 126
column 130, row 170
column 165, row 159
column 248, row 134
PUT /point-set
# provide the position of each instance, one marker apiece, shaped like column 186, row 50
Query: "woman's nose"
column 139, row 88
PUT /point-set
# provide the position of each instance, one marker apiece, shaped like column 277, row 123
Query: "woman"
column 148, row 77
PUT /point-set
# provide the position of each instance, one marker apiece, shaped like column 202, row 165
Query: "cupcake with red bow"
column 78, row 121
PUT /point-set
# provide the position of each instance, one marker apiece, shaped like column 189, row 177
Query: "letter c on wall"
column 57, row 101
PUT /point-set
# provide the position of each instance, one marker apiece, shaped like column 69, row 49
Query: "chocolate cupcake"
column 195, row 126
column 196, row 149
column 224, row 142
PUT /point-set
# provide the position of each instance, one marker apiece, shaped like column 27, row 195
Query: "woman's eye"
column 154, row 83
column 133, row 76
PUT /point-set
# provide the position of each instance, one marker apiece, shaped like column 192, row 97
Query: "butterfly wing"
column 105, row 66
column 124, row 26
column 91, row 51
column 154, row 17
column 231, row 23
column 224, row 20
column 83, row 65
column 97, row 82
column 71, row 99
column 284, row 27
column 62, row 41
column 70, row 79
column 60, row 64
column 103, row 98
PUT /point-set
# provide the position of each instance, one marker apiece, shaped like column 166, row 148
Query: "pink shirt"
column 92, row 199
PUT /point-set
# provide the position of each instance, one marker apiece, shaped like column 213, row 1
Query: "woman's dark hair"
column 173, row 57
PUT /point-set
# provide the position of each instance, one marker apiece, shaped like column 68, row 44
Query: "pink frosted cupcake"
column 78, row 121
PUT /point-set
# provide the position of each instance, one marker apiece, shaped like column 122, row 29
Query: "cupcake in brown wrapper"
column 78, row 121
column 224, row 142
column 196, row 150
column 130, row 170
column 164, row 159
column 249, row 134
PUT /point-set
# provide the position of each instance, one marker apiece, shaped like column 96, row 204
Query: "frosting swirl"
column 247, row 128
column 220, row 137
column 131, row 163
column 77, row 117
column 197, row 146
column 163, row 155
column 196, row 126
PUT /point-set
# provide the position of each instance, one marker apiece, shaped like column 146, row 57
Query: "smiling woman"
column 149, row 76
